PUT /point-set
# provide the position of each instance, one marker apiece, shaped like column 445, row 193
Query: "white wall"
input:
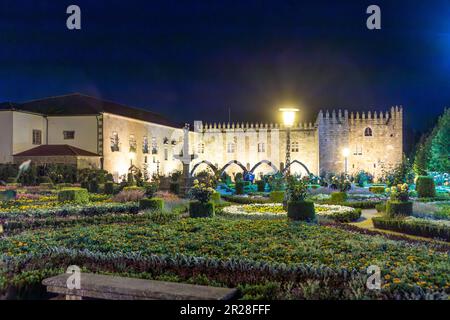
column 6, row 122
column 85, row 128
column 23, row 126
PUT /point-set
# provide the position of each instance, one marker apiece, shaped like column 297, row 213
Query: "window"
column 37, row 137
column 154, row 146
column 231, row 147
column 358, row 151
column 368, row 132
column 145, row 145
column 201, row 148
column 166, row 154
column 295, row 147
column 132, row 142
column 69, row 135
column 261, row 147
column 115, row 142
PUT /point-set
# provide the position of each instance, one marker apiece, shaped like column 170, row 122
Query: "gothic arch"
column 231, row 163
column 298, row 162
column 209, row 164
column 262, row 162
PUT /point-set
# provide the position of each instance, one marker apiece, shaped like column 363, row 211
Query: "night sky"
column 194, row 60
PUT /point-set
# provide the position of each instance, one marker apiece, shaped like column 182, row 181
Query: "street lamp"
column 288, row 120
column 345, row 153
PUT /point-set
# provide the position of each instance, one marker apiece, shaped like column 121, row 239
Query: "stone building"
column 115, row 137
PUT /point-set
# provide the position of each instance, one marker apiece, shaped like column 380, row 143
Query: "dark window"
column 368, row 132
column 69, row 135
column 37, row 137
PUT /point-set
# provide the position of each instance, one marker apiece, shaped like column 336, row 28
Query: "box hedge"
column 377, row 189
column 261, row 184
column 239, row 187
column 174, row 188
column 425, row 187
column 338, row 197
column 301, row 211
column 215, row 197
column 399, row 208
column 134, row 188
column 78, row 195
column 198, row 209
column 277, row 196
column 109, row 188
column 151, row 204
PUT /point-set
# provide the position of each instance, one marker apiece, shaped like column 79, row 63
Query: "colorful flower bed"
column 242, row 252
column 335, row 212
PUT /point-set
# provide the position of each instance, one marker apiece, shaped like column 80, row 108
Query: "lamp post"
column 345, row 153
column 288, row 121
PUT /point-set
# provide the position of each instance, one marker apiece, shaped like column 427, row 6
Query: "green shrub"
column 156, row 204
column 425, row 187
column 78, row 195
column 301, row 211
column 134, row 188
column 261, row 184
column 151, row 188
column 239, row 187
column 45, row 179
column 163, row 217
column 399, row 208
column 245, row 200
column 413, row 227
column 201, row 210
column 11, row 180
column 215, row 197
column 46, row 185
column 8, row 195
column 377, row 189
column 338, row 197
column 277, row 196
column 381, row 207
column 174, row 187
column 109, row 188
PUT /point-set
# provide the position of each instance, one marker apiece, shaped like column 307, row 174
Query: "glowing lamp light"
column 346, row 152
column 289, row 116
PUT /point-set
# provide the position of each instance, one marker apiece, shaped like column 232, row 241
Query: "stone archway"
column 244, row 169
column 209, row 164
column 298, row 162
column 264, row 162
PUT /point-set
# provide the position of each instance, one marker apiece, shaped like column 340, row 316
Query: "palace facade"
column 90, row 132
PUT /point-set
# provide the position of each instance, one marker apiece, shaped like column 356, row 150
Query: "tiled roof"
column 56, row 150
column 80, row 104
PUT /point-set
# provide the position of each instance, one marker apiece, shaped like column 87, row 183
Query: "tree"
column 440, row 145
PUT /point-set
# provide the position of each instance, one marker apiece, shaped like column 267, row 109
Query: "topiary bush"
column 215, row 197
column 174, row 187
column 425, row 187
column 301, row 211
column 109, row 187
column 198, row 209
column 338, row 197
column 399, row 208
column 239, row 187
column 277, row 196
column 261, row 184
column 77, row 195
column 381, row 207
column 377, row 189
column 156, row 204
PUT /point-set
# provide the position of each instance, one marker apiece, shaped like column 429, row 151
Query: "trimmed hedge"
column 301, row 211
column 245, row 200
column 337, row 197
column 416, row 228
column 134, row 188
column 377, row 189
column 201, row 210
column 215, row 197
column 77, row 195
column 261, row 184
column 174, row 188
column 381, row 207
column 277, row 196
column 345, row 217
column 239, row 187
column 425, row 187
column 151, row 204
column 109, row 188
column 398, row 208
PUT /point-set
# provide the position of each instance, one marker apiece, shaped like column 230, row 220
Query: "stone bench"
column 98, row 286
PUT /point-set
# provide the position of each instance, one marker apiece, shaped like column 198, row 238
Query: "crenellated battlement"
column 340, row 117
column 225, row 127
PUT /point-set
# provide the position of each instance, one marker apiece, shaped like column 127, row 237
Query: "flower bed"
column 232, row 252
column 275, row 210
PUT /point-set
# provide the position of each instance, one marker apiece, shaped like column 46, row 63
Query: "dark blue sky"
column 195, row 59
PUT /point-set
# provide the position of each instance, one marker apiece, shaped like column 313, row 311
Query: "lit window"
column 69, row 135
column 261, row 147
column 154, row 146
column 166, row 154
column 115, row 142
column 132, row 142
column 201, row 148
column 231, row 147
column 358, row 151
column 295, row 147
column 368, row 132
column 37, row 137
column 145, row 145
